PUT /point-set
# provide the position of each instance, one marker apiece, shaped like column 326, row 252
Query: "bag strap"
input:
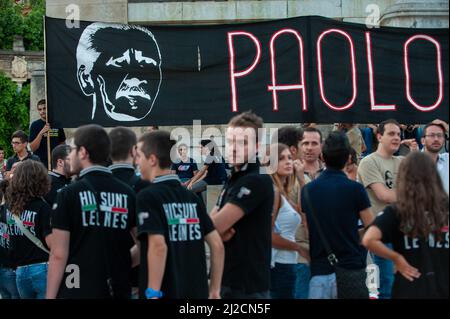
column 28, row 234
column 331, row 256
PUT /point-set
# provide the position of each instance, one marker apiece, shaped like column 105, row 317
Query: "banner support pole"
column 49, row 163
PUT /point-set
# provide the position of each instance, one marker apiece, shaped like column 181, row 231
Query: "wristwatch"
column 151, row 293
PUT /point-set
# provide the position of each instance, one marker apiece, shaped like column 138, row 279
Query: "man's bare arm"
column 59, row 254
column 226, row 217
column 217, row 260
column 383, row 193
column 156, row 260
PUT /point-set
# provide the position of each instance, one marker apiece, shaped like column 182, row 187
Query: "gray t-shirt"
column 376, row 169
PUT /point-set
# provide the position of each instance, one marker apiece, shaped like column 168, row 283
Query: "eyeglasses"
column 433, row 135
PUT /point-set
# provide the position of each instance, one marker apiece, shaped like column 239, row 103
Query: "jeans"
column 231, row 293
column 386, row 275
column 282, row 281
column 8, row 287
column 32, row 281
column 323, row 287
column 302, row 282
column 200, row 189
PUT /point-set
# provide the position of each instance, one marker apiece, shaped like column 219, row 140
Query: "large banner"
column 307, row 69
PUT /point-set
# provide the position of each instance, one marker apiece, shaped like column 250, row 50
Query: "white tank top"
column 286, row 226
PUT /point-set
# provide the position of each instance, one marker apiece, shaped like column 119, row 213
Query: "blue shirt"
column 337, row 202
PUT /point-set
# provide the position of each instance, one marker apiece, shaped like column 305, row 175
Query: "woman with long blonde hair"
column 417, row 226
column 285, row 221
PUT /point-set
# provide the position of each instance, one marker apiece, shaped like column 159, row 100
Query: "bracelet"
column 151, row 293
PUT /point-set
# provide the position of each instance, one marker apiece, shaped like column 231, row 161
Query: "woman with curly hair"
column 286, row 219
column 8, row 287
column 25, row 203
column 417, row 225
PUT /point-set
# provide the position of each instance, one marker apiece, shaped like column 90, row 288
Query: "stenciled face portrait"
column 120, row 66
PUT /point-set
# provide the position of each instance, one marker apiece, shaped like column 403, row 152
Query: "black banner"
column 307, row 69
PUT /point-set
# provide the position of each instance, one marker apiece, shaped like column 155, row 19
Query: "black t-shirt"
column 168, row 209
column 337, row 202
column 58, row 181
column 57, row 137
column 185, row 170
column 427, row 256
column 248, row 253
column 36, row 218
column 127, row 174
column 5, row 258
column 217, row 174
column 14, row 159
column 99, row 241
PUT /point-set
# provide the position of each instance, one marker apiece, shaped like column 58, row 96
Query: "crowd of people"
column 118, row 217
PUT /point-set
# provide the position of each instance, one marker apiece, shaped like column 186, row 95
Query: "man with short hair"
column 38, row 134
column 123, row 156
column 337, row 218
column 311, row 147
column 60, row 174
column 433, row 140
column 92, row 221
column 19, row 142
column 243, row 214
column 173, row 226
column 378, row 173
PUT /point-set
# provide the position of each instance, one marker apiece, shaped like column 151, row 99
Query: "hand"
column 441, row 122
column 411, row 143
column 414, row 146
column 373, row 127
column 189, row 186
column 45, row 129
column 299, row 168
column 407, row 271
column 226, row 236
column 304, row 252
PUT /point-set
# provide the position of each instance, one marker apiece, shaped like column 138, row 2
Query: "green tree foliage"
column 22, row 19
column 14, row 111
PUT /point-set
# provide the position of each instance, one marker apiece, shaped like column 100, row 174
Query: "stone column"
column 416, row 14
column 19, row 65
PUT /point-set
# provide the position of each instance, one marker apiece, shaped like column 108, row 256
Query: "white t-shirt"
column 286, row 226
column 442, row 167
